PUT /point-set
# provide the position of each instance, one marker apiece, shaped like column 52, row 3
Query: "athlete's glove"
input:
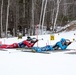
column 68, row 43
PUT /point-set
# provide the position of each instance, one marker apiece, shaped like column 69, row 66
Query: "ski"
column 46, row 52
column 59, row 50
column 22, row 48
column 71, row 52
column 3, row 49
column 30, row 51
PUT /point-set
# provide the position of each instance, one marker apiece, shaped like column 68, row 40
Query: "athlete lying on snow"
column 29, row 42
column 62, row 44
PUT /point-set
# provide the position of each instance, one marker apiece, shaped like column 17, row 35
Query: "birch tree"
column 33, row 17
column 44, row 14
column 58, row 2
column 41, row 13
column 1, row 17
column 7, row 17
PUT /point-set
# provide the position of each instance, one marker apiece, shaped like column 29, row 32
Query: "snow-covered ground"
column 14, row 62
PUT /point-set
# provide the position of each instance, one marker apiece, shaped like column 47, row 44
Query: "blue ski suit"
column 61, row 44
column 58, row 45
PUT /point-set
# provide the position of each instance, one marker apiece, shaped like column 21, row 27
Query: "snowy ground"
column 14, row 62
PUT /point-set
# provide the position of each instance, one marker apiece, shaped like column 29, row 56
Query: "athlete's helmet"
column 29, row 38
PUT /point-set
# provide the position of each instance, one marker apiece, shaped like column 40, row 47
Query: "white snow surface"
column 14, row 62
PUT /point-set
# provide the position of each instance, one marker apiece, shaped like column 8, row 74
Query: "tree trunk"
column 7, row 17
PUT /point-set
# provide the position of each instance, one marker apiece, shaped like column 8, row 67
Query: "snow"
column 14, row 62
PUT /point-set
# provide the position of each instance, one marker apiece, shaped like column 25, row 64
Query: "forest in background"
column 18, row 15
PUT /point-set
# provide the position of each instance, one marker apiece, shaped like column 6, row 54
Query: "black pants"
column 55, row 47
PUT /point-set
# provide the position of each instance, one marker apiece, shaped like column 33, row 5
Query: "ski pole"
column 40, row 39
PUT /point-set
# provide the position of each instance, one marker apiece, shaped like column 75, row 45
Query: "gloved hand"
column 68, row 43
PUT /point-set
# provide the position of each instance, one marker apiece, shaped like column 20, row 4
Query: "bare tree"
column 7, row 17
column 33, row 26
column 44, row 14
column 58, row 2
column 1, row 17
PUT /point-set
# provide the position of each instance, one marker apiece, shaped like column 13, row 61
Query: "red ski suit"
column 16, row 45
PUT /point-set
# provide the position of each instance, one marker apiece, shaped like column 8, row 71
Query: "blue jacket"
column 60, row 44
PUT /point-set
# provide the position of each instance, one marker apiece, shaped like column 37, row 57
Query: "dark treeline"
column 25, row 14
